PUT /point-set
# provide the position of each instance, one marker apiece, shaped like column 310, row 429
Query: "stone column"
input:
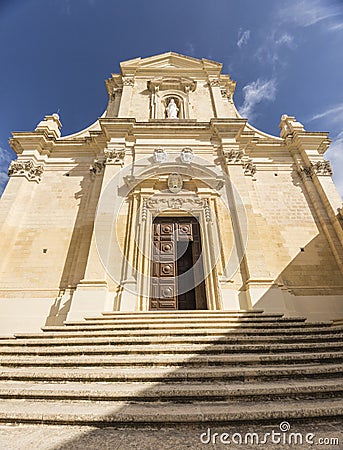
column 92, row 294
column 257, row 279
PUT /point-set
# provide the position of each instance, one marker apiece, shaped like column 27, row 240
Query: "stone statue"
column 172, row 110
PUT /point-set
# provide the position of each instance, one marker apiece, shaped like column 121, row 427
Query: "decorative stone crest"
column 160, row 155
column 175, row 183
column 27, row 169
column 187, row 155
column 114, row 156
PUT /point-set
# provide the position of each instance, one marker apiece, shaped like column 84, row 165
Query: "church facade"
column 169, row 201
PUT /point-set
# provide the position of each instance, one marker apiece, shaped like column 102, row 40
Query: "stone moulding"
column 27, row 169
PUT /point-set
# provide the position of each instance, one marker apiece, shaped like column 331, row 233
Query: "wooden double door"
column 177, row 275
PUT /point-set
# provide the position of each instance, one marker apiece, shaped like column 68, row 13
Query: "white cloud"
column 337, row 109
column 3, row 181
column 336, row 26
column 305, row 13
column 243, row 37
column 285, row 39
column 335, row 154
column 256, row 92
column 6, row 156
column 190, row 49
column 274, row 46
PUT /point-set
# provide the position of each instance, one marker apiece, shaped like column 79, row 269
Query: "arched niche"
column 180, row 103
column 162, row 90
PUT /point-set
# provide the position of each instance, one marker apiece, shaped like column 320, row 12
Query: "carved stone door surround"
column 165, row 205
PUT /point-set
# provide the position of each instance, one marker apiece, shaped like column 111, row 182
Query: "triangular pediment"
column 169, row 60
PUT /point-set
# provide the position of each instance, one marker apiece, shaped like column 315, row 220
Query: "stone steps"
column 221, row 339
column 182, row 320
column 178, row 392
column 166, row 374
column 64, row 332
column 169, row 348
column 138, row 413
column 164, row 367
column 225, row 326
column 171, row 359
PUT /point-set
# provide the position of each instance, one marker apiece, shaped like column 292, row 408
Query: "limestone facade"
column 77, row 215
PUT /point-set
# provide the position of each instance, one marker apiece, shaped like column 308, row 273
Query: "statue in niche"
column 172, row 109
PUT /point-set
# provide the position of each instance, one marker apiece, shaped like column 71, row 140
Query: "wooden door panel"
column 176, row 248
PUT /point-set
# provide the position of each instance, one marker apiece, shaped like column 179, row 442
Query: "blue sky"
column 287, row 58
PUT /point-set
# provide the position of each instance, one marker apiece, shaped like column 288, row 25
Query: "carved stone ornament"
column 128, row 81
column 214, row 82
column 114, row 156
column 187, row 155
column 319, row 168
column 184, row 203
column 160, row 155
column 233, row 156
column 305, row 172
column 175, row 183
column 27, row 169
column 207, row 210
column 97, row 167
column 237, row 156
column 322, row 168
column 249, row 168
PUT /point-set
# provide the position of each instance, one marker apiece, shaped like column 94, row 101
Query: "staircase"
column 173, row 368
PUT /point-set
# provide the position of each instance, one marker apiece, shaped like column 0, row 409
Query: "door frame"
column 192, row 206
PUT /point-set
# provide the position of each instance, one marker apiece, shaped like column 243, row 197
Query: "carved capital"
column 128, row 81
column 249, row 168
column 305, row 172
column 114, row 156
column 97, row 167
column 26, row 169
column 214, row 82
column 322, row 168
column 237, row 156
column 233, row 156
